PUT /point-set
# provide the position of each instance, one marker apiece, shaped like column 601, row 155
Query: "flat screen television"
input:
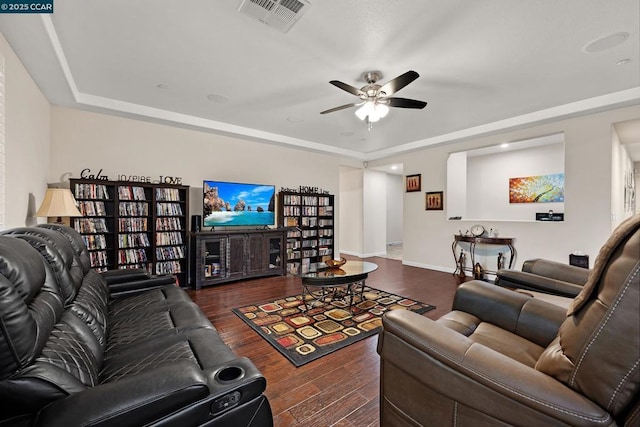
column 237, row 204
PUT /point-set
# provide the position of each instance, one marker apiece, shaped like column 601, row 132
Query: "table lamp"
column 58, row 202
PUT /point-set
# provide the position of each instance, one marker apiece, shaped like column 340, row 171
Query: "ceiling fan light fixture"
column 365, row 110
column 373, row 111
column 382, row 110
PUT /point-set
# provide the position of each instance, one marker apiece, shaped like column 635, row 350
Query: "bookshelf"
column 134, row 225
column 309, row 238
column 96, row 201
column 170, row 230
column 133, row 230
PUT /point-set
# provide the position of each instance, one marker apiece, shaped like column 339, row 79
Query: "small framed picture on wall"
column 413, row 183
column 434, row 201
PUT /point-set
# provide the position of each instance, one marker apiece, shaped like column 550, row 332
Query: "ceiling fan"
column 375, row 99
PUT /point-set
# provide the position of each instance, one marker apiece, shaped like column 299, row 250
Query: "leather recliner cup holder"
column 230, row 373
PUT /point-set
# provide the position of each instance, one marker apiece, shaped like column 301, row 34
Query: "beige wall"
column 350, row 213
column 27, row 115
column 120, row 146
column 375, row 220
column 588, row 187
column 622, row 169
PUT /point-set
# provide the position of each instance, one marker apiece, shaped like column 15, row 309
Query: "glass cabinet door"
column 275, row 252
column 214, row 253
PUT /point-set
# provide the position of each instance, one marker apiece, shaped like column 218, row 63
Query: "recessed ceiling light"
column 504, row 145
column 624, row 61
column 293, row 119
column 214, row 97
column 606, row 42
column 394, row 167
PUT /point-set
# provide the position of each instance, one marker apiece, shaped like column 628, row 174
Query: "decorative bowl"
column 334, row 263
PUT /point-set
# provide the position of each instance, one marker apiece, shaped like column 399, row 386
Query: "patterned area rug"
column 326, row 326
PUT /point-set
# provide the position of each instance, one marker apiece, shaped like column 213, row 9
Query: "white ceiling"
column 484, row 66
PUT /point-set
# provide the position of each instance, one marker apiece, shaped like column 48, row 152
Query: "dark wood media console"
column 224, row 256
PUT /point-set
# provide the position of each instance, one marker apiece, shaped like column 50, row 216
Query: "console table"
column 473, row 242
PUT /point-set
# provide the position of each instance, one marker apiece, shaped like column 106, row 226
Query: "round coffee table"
column 340, row 283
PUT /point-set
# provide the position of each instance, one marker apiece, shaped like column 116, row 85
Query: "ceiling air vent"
column 279, row 14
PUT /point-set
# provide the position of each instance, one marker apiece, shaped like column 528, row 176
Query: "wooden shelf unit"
column 310, row 219
column 134, row 225
column 225, row 256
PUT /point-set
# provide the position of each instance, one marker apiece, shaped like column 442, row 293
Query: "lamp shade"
column 58, row 202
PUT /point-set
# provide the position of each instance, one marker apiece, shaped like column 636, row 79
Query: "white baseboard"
column 359, row 255
column 487, row 277
column 394, row 243
column 429, row 266
column 350, row 253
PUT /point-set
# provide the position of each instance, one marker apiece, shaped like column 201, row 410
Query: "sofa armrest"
column 418, row 354
column 533, row 282
column 557, row 270
column 125, row 275
column 136, row 400
column 536, row 320
column 121, row 289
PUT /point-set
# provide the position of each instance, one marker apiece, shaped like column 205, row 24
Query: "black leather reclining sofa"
column 72, row 354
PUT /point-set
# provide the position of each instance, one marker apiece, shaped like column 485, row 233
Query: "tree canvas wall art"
column 537, row 189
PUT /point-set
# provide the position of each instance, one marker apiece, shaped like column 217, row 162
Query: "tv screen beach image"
column 238, row 204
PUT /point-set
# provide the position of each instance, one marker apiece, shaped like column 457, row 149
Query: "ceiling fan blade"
column 392, row 86
column 404, row 103
column 348, row 88
column 342, row 107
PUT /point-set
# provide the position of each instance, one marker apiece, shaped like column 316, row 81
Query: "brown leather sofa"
column 505, row 358
column 546, row 276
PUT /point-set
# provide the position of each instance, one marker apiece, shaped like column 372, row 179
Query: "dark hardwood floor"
column 342, row 388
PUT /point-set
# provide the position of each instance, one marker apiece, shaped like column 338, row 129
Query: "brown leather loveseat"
column 505, row 358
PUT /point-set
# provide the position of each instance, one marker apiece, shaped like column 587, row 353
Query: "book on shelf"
column 310, row 200
column 170, row 253
column 91, row 208
column 133, row 209
column 126, row 192
column 169, row 238
column 168, row 224
column 168, row 209
column 168, row 267
column 90, row 225
column 130, row 256
column 132, row 224
column 291, row 222
column 131, row 240
column 168, row 194
column 91, row 191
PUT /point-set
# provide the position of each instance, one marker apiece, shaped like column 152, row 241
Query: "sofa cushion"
column 493, row 337
column 29, row 305
column 53, row 248
column 75, row 239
